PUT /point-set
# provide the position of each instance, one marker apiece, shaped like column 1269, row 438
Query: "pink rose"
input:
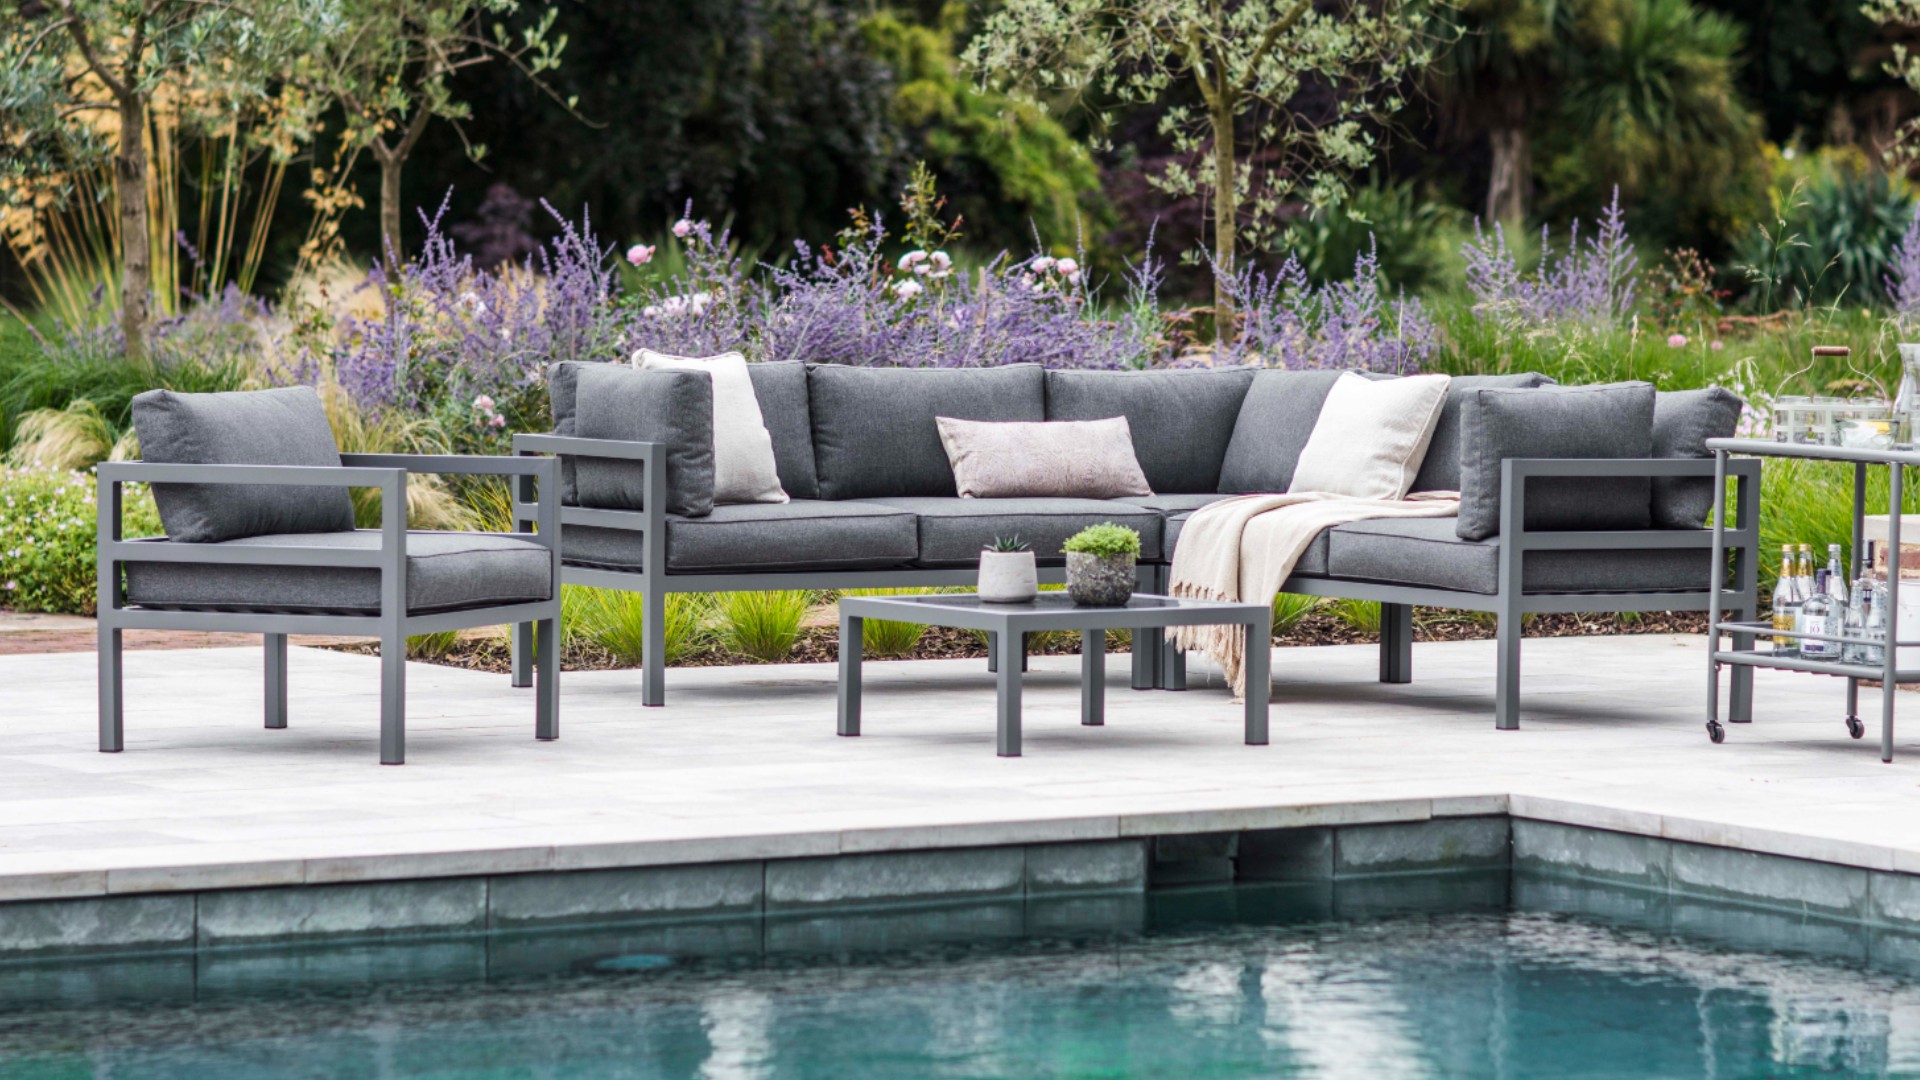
column 639, row 254
column 1716, row 345
column 497, row 421
column 483, row 403
column 1678, row 341
column 682, row 227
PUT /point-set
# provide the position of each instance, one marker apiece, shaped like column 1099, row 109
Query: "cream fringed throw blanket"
column 1243, row 549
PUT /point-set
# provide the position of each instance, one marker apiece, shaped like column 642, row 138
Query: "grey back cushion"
column 1181, row 420
column 1610, row 421
column 782, row 391
column 1271, row 429
column 1683, row 421
column 563, row 392
column 670, row 407
column 284, row 426
column 874, row 434
column 1440, row 470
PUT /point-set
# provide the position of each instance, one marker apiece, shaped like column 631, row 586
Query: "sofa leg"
column 111, row 727
column 653, row 649
column 1396, row 643
column 276, row 681
column 1506, row 685
column 393, row 698
column 522, row 649
column 546, row 708
column 1740, row 697
column 1146, row 656
column 1173, row 664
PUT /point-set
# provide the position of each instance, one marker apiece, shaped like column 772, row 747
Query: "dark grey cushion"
column 1181, row 420
column 953, row 530
column 1611, row 421
column 873, row 428
column 1429, row 552
column 284, row 426
column 1174, row 502
column 671, row 407
column 1683, row 421
column 781, row 389
column 563, row 393
column 445, row 572
column 802, row 534
column 1272, row 428
column 1440, row 469
column 1313, row 561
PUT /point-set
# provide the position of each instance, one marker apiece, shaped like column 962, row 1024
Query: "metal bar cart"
column 1761, row 632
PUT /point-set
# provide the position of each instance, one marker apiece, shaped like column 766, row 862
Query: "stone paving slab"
column 742, row 764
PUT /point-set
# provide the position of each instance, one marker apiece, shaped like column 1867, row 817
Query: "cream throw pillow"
column 743, row 464
column 1371, row 436
column 1065, row 459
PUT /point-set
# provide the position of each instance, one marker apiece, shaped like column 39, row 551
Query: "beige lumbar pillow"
column 1067, row 459
column 1371, row 436
column 743, row 463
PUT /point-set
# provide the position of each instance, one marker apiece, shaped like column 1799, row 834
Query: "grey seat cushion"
column 1313, row 561
column 782, row 391
column 1440, row 469
column 1174, row 502
column 873, row 427
column 1607, row 421
column 1683, row 421
column 671, row 407
column 1271, row 429
column 952, row 531
column 801, row 534
column 1429, row 552
column 1181, row 420
column 284, row 426
column 446, row 571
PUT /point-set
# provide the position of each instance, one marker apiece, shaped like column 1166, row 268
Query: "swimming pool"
column 1470, row 977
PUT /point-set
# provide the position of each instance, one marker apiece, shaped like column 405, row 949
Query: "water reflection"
column 1434, row 979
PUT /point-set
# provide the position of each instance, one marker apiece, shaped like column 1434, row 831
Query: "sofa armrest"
column 576, row 446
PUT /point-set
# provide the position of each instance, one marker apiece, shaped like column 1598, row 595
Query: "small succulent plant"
column 1009, row 543
column 1105, row 540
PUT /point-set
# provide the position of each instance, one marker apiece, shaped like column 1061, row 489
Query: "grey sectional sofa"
column 874, row 503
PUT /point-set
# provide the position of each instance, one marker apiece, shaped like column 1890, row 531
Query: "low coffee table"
column 1008, row 624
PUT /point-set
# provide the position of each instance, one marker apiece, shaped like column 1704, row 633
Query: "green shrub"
column 1104, row 540
column 47, row 550
column 762, row 625
column 432, row 646
column 616, row 621
column 884, row 637
column 1414, row 236
column 1290, row 609
column 1362, row 615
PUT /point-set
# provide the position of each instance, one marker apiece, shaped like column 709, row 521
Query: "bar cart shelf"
column 1747, row 654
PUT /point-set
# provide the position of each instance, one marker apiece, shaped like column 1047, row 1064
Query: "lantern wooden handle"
column 1832, row 350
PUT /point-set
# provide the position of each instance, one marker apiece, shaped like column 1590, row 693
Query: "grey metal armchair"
column 389, row 583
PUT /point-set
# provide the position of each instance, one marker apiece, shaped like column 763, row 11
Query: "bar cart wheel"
column 1855, row 728
column 1716, row 731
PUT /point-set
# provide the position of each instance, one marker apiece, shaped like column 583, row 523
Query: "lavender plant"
column 1903, row 283
column 1287, row 321
column 1590, row 284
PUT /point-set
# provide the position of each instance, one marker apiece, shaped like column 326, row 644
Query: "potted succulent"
column 1100, row 561
column 1007, row 574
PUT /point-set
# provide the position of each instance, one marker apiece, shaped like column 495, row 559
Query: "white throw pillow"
column 1371, row 436
column 1065, row 459
column 743, row 463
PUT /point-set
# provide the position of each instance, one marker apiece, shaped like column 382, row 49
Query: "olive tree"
column 1905, row 65
column 1298, row 84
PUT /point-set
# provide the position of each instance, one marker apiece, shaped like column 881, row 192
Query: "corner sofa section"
column 873, row 503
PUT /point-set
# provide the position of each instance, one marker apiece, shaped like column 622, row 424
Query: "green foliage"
column 76, row 437
column 1835, row 223
column 1362, row 615
column 1009, row 543
column 1415, row 236
column 1290, row 609
column 47, row 532
column 433, row 646
column 762, row 625
column 883, row 637
column 1805, row 502
column 109, row 381
column 616, row 621
column 1105, row 540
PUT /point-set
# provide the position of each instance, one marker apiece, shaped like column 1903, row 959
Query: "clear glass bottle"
column 1859, row 602
column 1836, row 577
column 1877, row 621
column 1786, row 603
column 1804, row 571
column 1906, row 403
column 1817, row 617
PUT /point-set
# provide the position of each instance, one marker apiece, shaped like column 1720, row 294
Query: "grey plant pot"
column 1099, row 580
column 1008, row 577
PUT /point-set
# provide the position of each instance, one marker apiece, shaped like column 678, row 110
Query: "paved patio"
column 743, row 763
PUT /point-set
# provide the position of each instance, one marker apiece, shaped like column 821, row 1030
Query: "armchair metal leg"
column 653, row 648
column 111, row 728
column 1506, row 685
column 1396, row 643
column 546, row 715
column 1740, row 699
column 276, row 680
column 393, row 698
column 522, row 648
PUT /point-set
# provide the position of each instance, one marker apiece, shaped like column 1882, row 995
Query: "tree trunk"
column 136, row 245
column 1511, row 185
column 390, row 250
column 1226, row 205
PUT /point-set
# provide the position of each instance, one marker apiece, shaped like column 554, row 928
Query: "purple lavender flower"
column 1287, row 321
column 1903, row 284
column 1589, row 284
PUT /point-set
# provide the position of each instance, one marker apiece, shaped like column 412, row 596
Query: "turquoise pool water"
column 1561, row 982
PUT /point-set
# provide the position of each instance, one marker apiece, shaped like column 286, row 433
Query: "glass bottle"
column 1816, row 617
column 1877, row 621
column 1786, row 603
column 1804, row 571
column 1906, row 403
column 1836, row 577
column 1859, row 601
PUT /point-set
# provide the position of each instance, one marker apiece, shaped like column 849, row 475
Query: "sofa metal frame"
column 1159, row 665
column 392, row 625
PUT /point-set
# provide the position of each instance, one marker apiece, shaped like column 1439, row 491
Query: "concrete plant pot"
column 1100, row 580
column 1008, row 577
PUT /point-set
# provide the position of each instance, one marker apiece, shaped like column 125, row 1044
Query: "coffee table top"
column 1050, row 611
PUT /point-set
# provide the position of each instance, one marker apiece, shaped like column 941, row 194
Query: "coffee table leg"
column 1259, row 680
column 851, row 627
column 1093, row 677
column 1007, row 647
